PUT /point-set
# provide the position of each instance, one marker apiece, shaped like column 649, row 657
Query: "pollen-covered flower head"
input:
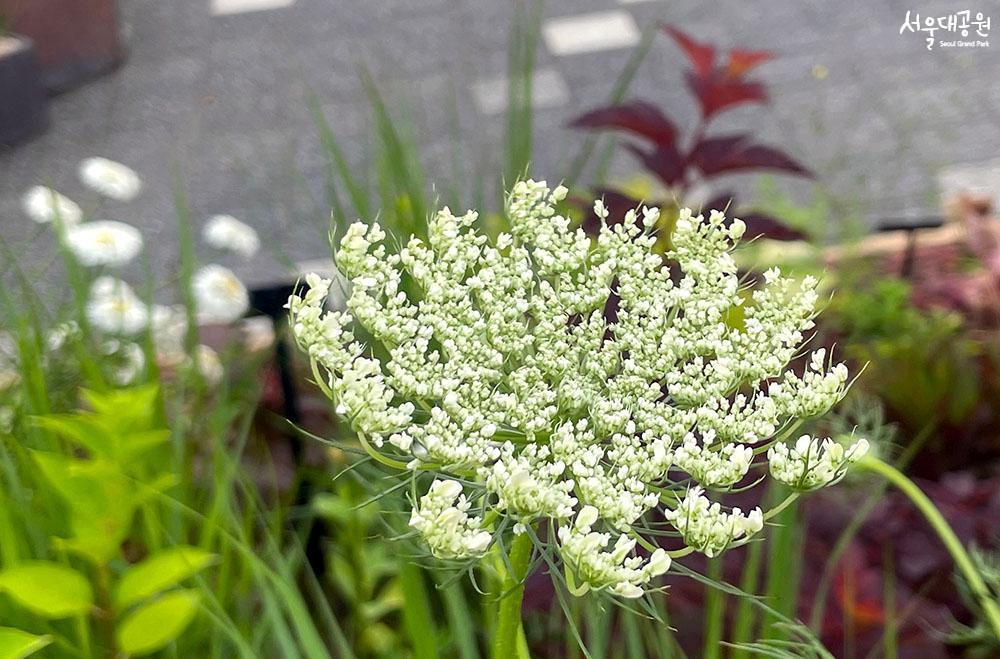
column 104, row 242
column 220, row 297
column 43, row 205
column 225, row 232
column 110, row 179
column 501, row 372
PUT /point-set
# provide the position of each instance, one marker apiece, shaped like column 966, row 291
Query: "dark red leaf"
column 760, row 224
column 665, row 161
column 701, row 55
column 711, row 150
column 741, row 61
column 716, row 92
column 639, row 117
column 729, row 154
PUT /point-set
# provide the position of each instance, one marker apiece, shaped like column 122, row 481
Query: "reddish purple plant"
column 718, row 84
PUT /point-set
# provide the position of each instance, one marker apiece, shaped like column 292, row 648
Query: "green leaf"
column 133, row 409
column 153, row 625
column 49, row 589
column 160, row 572
column 16, row 644
column 100, row 499
column 84, row 429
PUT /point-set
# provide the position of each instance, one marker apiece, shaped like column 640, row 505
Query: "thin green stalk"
column 512, row 593
column 417, row 611
column 633, row 639
column 715, row 609
column 598, row 628
column 746, row 616
column 782, row 580
column 978, row 588
column 818, row 607
column 459, row 621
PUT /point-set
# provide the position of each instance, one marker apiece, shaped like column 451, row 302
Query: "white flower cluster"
column 812, row 463
column 443, row 519
column 705, row 526
column 563, row 376
column 718, row 468
column 617, row 570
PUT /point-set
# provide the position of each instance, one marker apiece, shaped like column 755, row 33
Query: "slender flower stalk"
column 980, row 591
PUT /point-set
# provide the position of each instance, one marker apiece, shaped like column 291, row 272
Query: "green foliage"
column 920, row 362
column 153, row 625
column 979, row 639
column 15, row 644
column 48, row 589
column 159, row 572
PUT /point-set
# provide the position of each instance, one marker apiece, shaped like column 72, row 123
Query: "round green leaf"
column 160, row 572
column 153, row 625
column 51, row 590
column 16, row 644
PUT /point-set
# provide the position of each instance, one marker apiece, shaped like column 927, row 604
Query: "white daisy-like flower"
column 43, row 205
column 110, row 179
column 169, row 326
column 220, row 296
column 57, row 337
column 9, row 368
column 130, row 358
column 104, row 242
column 114, row 308
column 209, row 365
column 227, row 233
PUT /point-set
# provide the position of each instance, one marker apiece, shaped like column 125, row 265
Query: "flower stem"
column 511, row 594
column 991, row 610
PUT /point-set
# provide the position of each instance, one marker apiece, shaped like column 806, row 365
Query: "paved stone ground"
column 220, row 98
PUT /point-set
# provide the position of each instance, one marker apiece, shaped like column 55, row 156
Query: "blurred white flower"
column 7, row 419
column 131, row 361
column 169, row 326
column 110, row 179
column 9, row 353
column 227, row 233
column 43, row 205
column 104, row 243
column 209, row 365
column 114, row 308
column 58, row 335
column 219, row 296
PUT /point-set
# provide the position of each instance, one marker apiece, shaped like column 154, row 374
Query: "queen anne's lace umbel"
column 579, row 381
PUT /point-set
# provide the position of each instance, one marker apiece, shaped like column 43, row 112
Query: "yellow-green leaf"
column 160, row 572
column 153, row 625
column 16, row 644
column 49, row 589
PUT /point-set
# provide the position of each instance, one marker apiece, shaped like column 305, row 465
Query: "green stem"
column 715, row 610
column 991, row 610
column 511, row 594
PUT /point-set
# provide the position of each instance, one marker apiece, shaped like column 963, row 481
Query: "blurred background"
column 218, row 89
column 858, row 144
